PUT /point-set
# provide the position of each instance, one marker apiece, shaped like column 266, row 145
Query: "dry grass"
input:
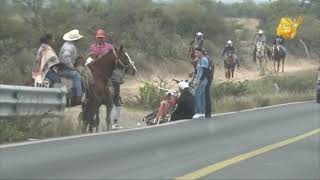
column 248, row 102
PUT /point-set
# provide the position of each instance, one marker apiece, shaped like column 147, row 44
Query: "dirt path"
column 251, row 72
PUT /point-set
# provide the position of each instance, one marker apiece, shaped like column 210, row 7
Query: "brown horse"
column 278, row 54
column 99, row 92
column 230, row 64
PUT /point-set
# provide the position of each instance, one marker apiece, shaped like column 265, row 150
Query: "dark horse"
column 99, row 91
column 229, row 64
column 278, row 54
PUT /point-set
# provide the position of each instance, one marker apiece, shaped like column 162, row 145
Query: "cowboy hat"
column 260, row 31
column 72, row 35
column 229, row 42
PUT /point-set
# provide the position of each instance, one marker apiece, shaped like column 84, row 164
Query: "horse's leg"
column 282, row 59
column 108, row 115
column 264, row 66
column 274, row 66
column 97, row 119
column 109, row 106
column 91, row 107
column 232, row 72
column 86, row 115
column 84, row 123
column 83, row 118
column 260, row 63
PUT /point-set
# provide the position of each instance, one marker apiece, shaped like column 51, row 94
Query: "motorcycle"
column 167, row 106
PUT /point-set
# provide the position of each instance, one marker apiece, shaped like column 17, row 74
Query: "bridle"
column 118, row 60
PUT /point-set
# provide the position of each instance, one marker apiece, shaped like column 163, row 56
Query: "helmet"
column 183, row 85
column 168, row 93
column 260, row 31
column 229, row 42
column 100, row 33
column 199, row 34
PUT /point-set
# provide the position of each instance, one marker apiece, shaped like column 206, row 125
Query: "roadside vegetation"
column 227, row 96
column 237, row 95
column 155, row 33
column 152, row 32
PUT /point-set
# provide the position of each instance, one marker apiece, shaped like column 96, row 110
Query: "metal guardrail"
column 31, row 101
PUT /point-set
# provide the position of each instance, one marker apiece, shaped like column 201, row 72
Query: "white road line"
column 139, row 128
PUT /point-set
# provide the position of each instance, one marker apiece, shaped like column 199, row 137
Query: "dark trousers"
column 116, row 101
column 208, row 100
column 116, row 98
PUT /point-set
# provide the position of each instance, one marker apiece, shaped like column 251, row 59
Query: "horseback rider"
column 279, row 41
column 260, row 37
column 100, row 47
column 185, row 104
column 96, row 50
column 198, row 41
column 68, row 56
column 229, row 50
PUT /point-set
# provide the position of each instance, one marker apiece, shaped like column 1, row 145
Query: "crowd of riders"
column 203, row 71
column 52, row 67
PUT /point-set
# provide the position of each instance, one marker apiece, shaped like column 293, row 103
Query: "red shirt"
column 100, row 50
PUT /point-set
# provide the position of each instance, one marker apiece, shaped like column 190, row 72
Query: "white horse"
column 261, row 56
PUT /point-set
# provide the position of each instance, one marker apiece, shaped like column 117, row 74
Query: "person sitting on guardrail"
column 46, row 61
column 185, row 103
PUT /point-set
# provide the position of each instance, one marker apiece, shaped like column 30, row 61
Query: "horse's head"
column 124, row 61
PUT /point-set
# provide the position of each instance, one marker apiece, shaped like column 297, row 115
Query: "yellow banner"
column 287, row 27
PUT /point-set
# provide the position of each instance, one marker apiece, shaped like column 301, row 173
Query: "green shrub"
column 230, row 88
column 24, row 128
column 262, row 101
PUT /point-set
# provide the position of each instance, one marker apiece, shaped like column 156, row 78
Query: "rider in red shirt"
column 100, row 47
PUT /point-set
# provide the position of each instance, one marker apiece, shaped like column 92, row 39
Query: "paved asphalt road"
column 171, row 151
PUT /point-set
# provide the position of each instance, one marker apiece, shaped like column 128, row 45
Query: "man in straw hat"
column 68, row 55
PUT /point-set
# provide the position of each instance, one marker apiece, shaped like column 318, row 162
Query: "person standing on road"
column 201, row 82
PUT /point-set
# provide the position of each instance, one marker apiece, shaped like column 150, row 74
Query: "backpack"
column 210, row 71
